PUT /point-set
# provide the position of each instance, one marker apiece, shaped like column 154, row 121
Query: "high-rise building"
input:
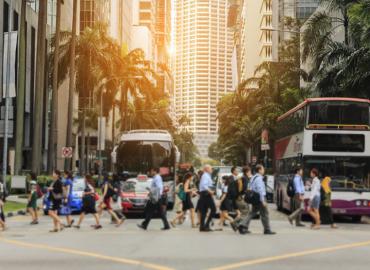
column 92, row 11
column 201, row 65
column 257, row 36
column 121, row 21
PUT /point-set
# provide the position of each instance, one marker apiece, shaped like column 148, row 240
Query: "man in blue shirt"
column 206, row 201
column 298, row 199
column 258, row 186
column 159, row 206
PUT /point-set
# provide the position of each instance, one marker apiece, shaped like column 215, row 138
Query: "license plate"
column 339, row 211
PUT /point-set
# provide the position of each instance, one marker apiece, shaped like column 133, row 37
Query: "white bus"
column 332, row 135
column 140, row 150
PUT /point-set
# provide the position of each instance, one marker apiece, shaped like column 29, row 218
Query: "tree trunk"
column 346, row 28
column 40, row 87
column 21, row 90
column 83, row 142
column 69, row 141
column 53, row 133
column 123, row 108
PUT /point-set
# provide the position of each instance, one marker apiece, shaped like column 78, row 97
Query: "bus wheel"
column 356, row 219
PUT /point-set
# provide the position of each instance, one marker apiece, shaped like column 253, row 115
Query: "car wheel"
column 356, row 219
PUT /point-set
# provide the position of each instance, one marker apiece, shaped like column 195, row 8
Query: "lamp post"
column 7, row 98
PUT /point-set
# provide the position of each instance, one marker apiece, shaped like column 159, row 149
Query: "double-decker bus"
column 140, row 150
column 332, row 135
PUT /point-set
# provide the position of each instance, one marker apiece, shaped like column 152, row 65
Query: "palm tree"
column 69, row 140
column 339, row 68
column 52, row 155
column 21, row 90
column 40, row 86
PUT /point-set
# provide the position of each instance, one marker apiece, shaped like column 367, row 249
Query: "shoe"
column 165, row 228
column 140, row 226
column 290, row 221
column 77, row 227
column 120, row 223
column 98, row 227
column 234, row 226
column 54, row 231
column 269, row 233
column 300, row 225
column 243, row 231
column 173, row 224
column 206, row 230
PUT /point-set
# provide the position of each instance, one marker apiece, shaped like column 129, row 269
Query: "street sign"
column 67, row 152
column 265, row 147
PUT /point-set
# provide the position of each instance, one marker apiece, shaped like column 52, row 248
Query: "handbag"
column 96, row 197
column 252, row 197
column 65, row 210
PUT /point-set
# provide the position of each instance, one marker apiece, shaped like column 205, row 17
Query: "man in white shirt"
column 153, row 207
column 206, row 201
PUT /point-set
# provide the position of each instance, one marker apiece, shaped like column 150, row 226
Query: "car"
column 77, row 192
column 134, row 194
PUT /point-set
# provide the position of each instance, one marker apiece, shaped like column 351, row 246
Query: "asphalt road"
column 34, row 248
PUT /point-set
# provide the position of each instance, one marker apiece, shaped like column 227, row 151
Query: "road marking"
column 290, row 255
column 87, row 254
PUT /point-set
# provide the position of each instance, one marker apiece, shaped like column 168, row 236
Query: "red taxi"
column 134, row 194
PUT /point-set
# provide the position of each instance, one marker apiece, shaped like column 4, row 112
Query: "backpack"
column 39, row 192
column 181, row 194
column 233, row 190
column 290, row 189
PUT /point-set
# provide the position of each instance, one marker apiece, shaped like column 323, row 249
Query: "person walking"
column 89, row 204
column 180, row 197
column 2, row 201
column 258, row 186
column 56, row 196
column 315, row 199
column 190, row 193
column 240, row 203
column 106, row 204
column 156, row 201
column 68, row 197
column 298, row 199
column 225, row 203
column 326, row 212
column 206, row 201
column 32, row 203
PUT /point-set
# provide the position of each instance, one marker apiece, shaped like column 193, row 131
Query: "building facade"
column 201, row 65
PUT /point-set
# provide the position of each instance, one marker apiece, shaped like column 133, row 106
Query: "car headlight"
column 365, row 203
column 358, row 203
column 125, row 199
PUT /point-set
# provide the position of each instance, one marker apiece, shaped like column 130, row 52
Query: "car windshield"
column 347, row 173
column 138, row 157
column 136, row 187
column 78, row 185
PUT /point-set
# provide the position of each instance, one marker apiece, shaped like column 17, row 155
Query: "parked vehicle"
column 77, row 191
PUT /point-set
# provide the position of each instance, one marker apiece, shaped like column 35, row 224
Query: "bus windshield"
column 137, row 157
column 347, row 173
column 338, row 113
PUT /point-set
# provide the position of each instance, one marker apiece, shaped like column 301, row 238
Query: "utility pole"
column 53, row 134
column 21, row 90
column 40, row 86
column 7, row 98
column 69, row 142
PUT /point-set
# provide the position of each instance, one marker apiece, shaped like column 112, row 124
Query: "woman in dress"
column 190, row 193
column 325, row 208
column 89, row 203
column 315, row 199
column 32, row 203
column 179, row 200
column 56, row 197
column 225, row 203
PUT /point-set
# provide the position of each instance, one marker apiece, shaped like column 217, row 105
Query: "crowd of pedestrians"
column 243, row 197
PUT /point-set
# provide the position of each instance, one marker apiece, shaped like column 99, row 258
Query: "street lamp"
column 7, row 98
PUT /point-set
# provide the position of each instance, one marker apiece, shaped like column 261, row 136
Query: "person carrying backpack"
column 257, row 187
column 298, row 199
column 242, row 186
column 179, row 200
